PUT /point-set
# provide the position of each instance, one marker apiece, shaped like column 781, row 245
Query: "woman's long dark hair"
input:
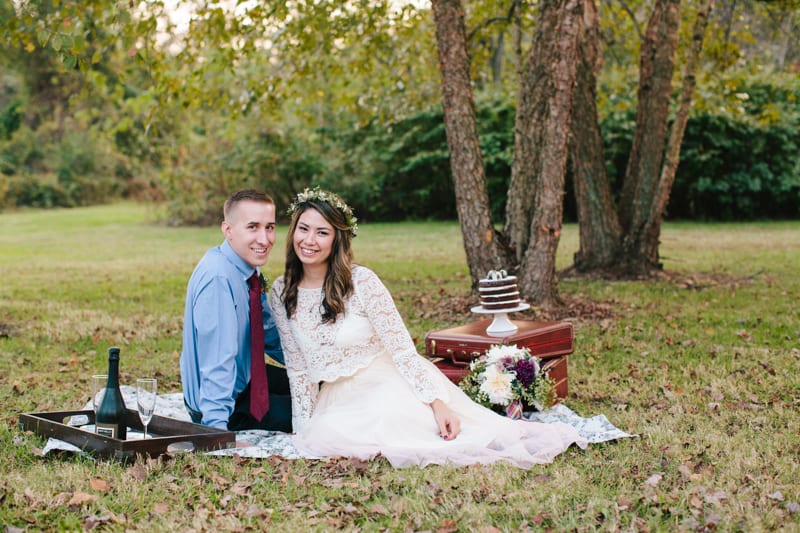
column 338, row 284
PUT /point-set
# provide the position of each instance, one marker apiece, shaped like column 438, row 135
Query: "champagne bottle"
column 110, row 420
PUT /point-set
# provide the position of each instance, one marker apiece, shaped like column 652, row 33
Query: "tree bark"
column 484, row 251
column 598, row 225
column 652, row 230
column 535, row 198
column 657, row 62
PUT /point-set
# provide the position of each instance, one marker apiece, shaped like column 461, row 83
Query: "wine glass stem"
column 145, row 432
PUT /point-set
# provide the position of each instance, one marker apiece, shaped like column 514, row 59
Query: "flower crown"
column 330, row 198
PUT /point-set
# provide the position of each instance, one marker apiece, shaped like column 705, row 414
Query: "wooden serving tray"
column 164, row 431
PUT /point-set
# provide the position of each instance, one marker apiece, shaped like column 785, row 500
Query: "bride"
column 359, row 387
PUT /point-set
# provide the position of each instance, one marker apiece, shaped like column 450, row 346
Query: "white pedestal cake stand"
column 501, row 325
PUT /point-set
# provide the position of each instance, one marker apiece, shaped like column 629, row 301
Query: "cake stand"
column 501, row 325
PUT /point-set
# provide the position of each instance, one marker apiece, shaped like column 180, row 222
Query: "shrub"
column 402, row 170
column 10, row 119
column 733, row 170
column 221, row 162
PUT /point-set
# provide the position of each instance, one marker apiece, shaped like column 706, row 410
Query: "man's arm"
column 217, row 346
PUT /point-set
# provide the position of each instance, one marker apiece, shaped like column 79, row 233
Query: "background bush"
column 739, row 161
column 732, row 167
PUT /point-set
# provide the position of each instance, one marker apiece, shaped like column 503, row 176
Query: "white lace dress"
column 360, row 389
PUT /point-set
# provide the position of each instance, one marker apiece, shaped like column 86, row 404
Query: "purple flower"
column 506, row 363
column 526, row 370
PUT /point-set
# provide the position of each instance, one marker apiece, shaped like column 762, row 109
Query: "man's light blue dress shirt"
column 215, row 361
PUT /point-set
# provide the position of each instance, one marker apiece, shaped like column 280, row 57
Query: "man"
column 217, row 336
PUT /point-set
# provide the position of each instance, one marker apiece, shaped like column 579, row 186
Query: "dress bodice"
column 370, row 327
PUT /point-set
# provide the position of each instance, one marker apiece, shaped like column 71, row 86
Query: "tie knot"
column 253, row 281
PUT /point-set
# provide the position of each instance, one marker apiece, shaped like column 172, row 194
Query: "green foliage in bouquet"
column 508, row 378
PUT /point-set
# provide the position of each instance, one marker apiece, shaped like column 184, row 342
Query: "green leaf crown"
column 330, row 198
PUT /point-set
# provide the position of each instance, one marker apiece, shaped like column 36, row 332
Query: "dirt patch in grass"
column 7, row 330
column 580, row 307
column 706, row 280
column 693, row 280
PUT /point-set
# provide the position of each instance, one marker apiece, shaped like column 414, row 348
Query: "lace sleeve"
column 303, row 390
column 375, row 299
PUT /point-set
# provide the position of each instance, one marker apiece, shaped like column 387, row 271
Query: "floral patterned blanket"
column 267, row 443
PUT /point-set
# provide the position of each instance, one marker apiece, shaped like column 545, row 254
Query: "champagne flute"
column 98, row 383
column 146, row 394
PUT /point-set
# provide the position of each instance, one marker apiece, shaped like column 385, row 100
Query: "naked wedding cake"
column 498, row 291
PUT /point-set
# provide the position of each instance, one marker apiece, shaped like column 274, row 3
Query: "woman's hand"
column 449, row 424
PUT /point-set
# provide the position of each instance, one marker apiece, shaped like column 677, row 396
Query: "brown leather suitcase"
column 453, row 349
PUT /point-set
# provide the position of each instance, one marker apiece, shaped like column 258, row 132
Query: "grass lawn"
column 704, row 365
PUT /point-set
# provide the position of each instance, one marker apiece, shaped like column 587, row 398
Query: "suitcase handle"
column 457, row 362
column 546, row 367
column 450, row 354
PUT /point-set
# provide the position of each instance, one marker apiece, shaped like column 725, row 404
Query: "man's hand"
column 449, row 424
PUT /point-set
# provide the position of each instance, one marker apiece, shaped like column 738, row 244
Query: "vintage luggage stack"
column 453, row 349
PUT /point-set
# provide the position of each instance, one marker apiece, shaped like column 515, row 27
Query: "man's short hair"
column 242, row 195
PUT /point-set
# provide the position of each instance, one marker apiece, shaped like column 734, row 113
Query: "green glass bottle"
column 110, row 420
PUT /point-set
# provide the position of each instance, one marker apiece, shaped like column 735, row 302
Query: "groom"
column 218, row 372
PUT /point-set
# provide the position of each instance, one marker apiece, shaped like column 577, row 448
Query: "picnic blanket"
column 267, row 443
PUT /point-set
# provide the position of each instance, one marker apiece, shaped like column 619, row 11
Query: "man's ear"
column 226, row 228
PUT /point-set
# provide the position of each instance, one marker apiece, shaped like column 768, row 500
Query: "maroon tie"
column 259, row 390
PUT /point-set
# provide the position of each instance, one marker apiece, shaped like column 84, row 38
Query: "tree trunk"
column 535, row 196
column 652, row 230
column 484, row 251
column 598, row 225
column 657, row 62
column 496, row 61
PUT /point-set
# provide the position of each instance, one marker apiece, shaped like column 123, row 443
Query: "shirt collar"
column 240, row 264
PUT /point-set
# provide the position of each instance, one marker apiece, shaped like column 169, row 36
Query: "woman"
column 359, row 387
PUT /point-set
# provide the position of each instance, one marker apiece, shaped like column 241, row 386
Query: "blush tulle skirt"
column 375, row 413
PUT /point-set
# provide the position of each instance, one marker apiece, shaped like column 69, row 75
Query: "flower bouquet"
column 509, row 380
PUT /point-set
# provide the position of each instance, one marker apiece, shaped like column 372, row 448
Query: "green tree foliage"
column 102, row 99
column 70, row 67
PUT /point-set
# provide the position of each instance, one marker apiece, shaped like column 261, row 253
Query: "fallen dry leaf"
column 241, row 488
column 654, row 480
column 95, row 521
column 447, row 525
column 81, row 498
column 255, row 510
column 29, row 496
column 716, row 497
column 377, row 508
column 100, row 484
column 541, row 478
column 138, row 472
column 219, row 480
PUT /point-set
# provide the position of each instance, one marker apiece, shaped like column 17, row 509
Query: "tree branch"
column 633, row 18
column 488, row 22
